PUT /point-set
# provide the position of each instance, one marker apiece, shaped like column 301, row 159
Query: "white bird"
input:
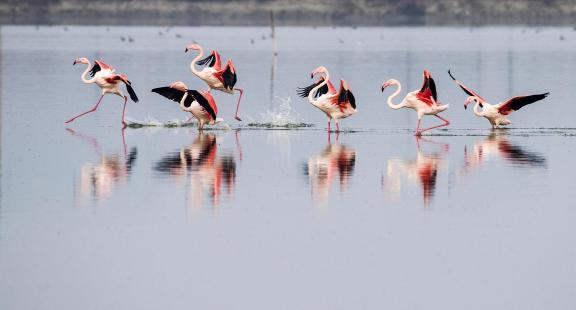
column 200, row 103
column 496, row 114
column 423, row 101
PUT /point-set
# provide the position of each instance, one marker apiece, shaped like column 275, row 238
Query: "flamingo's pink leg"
column 446, row 123
column 337, row 127
column 418, row 128
column 124, row 112
column 89, row 111
column 238, row 104
column 328, row 126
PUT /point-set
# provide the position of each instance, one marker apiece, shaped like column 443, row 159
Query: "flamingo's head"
column 179, row 86
column 318, row 70
column 472, row 99
column 193, row 46
column 81, row 60
column 388, row 83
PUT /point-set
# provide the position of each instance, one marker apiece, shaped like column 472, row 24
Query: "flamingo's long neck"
column 477, row 110
column 182, row 106
column 83, row 76
column 193, row 63
column 391, row 97
column 312, row 93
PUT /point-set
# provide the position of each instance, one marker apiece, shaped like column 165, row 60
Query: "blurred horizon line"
column 288, row 13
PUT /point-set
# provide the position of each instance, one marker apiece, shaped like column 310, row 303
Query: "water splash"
column 152, row 122
column 280, row 117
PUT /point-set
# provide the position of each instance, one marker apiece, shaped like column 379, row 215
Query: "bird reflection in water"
column 336, row 160
column 498, row 146
column 423, row 169
column 98, row 180
column 202, row 168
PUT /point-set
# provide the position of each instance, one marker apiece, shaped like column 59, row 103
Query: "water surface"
column 96, row 217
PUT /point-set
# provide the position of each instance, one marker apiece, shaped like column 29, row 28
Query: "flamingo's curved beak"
column 467, row 102
column 75, row 62
column 186, row 50
column 386, row 84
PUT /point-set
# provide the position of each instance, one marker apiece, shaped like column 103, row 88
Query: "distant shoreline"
column 289, row 13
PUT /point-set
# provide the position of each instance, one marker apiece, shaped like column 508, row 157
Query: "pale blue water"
column 252, row 218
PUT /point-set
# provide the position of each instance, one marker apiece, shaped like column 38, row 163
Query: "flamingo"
column 104, row 76
column 322, row 94
column 496, row 114
column 213, row 74
column 200, row 103
column 423, row 101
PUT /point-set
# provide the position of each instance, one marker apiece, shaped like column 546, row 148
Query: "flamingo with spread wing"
column 322, row 94
column 496, row 114
column 200, row 103
column 424, row 101
column 216, row 77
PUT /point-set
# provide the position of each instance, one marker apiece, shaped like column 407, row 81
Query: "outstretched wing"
column 465, row 89
column 99, row 66
column 131, row 92
column 516, row 103
column 212, row 61
column 204, row 102
column 229, row 76
column 95, row 68
column 428, row 90
column 346, row 96
column 170, row 93
column 305, row 91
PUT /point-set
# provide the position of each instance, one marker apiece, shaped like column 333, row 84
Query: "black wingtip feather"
column 211, row 59
column 305, row 91
column 450, row 73
column 203, row 102
column 351, row 99
column 131, row 92
column 170, row 93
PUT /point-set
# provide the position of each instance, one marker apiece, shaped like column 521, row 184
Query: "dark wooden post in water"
column 273, row 33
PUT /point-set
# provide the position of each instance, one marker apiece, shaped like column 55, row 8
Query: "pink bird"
column 200, row 103
column 216, row 77
column 423, row 101
column 322, row 94
column 104, row 76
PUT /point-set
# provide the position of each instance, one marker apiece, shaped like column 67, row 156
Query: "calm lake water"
column 246, row 217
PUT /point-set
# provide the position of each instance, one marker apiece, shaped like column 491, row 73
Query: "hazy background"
column 289, row 12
